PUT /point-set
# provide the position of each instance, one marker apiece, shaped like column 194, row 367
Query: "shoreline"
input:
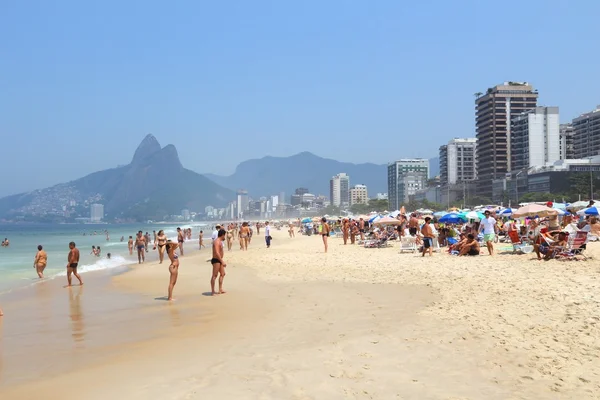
column 360, row 322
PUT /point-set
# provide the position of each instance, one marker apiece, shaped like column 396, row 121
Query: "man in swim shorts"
column 140, row 245
column 180, row 240
column 488, row 226
column 218, row 265
column 72, row 262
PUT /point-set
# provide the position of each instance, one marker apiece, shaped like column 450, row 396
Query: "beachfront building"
column 535, row 138
column 586, row 137
column 359, row 195
column 96, row 212
column 405, row 177
column 297, row 196
column 339, row 188
column 381, row 196
column 494, row 111
column 567, row 133
column 186, row 215
column 242, row 203
column 457, row 161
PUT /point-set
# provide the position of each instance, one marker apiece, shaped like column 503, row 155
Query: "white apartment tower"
column 339, row 188
column 359, row 195
column 535, row 138
column 458, row 161
column 96, row 212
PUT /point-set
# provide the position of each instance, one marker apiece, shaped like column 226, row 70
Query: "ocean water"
column 16, row 261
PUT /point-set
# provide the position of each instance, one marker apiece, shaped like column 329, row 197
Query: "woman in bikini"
column 130, row 245
column 291, row 230
column 161, row 242
column 41, row 259
column 325, row 229
column 244, row 236
column 173, row 268
column 229, row 236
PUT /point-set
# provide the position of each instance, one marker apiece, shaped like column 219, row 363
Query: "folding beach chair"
column 574, row 247
column 408, row 243
column 518, row 245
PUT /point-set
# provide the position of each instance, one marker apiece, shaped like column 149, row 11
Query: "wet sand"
column 299, row 324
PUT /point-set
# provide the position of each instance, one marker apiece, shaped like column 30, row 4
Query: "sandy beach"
column 355, row 323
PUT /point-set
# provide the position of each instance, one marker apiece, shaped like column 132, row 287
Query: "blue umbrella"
column 374, row 218
column 451, row 218
column 589, row 211
column 507, row 212
column 306, row 220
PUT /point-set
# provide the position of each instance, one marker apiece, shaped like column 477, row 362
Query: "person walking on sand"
column 173, row 268
column 72, row 262
column 488, row 226
column 41, row 259
column 140, row 245
column 180, row 240
column 217, row 263
column 201, row 240
column 161, row 242
column 268, row 234
column 130, row 245
column 325, row 229
column 427, row 233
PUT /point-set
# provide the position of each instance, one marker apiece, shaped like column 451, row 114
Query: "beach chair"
column 518, row 245
column 408, row 243
column 377, row 244
column 338, row 233
column 574, row 247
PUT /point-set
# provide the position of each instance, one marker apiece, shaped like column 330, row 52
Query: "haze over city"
column 84, row 83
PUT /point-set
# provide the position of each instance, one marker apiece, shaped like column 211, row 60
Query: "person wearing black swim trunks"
column 325, row 229
column 72, row 262
column 217, row 262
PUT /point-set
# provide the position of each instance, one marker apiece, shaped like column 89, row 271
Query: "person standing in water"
column 180, row 240
column 325, row 232
column 130, row 245
column 161, row 242
column 217, row 262
column 72, row 263
column 173, row 268
column 41, row 259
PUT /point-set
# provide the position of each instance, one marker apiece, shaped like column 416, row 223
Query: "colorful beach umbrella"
column 472, row 215
column 506, row 212
column 451, row 218
column 439, row 214
column 589, row 211
column 374, row 218
column 306, row 220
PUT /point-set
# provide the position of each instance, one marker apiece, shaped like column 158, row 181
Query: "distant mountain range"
column 271, row 175
column 153, row 185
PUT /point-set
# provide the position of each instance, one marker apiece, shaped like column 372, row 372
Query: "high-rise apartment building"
column 494, row 112
column 457, row 161
column 535, row 138
column 567, row 132
column 339, row 188
column 405, row 177
column 586, row 137
column 359, row 195
column 96, row 212
column 242, row 203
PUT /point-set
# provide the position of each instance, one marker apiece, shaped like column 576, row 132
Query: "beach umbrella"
column 374, row 218
column 363, row 216
column 578, row 205
column 451, row 218
column 394, row 214
column 384, row 221
column 532, row 210
column 439, row 214
column 560, row 206
column 474, row 215
column 589, row 211
column 306, row 220
column 506, row 212
column 425, row 211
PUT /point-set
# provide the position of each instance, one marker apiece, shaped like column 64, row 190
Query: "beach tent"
column 589, row 211
column 452, row 218
column 386, row 221
column 532, row 210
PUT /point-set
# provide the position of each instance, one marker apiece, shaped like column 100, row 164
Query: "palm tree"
column 478, row 95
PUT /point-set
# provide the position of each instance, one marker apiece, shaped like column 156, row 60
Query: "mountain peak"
column 148, row 147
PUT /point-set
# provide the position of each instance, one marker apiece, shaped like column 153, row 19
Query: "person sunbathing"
column 549, row 244
column 470, row 247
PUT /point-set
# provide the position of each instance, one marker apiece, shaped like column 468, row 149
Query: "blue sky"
column 83, row 82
